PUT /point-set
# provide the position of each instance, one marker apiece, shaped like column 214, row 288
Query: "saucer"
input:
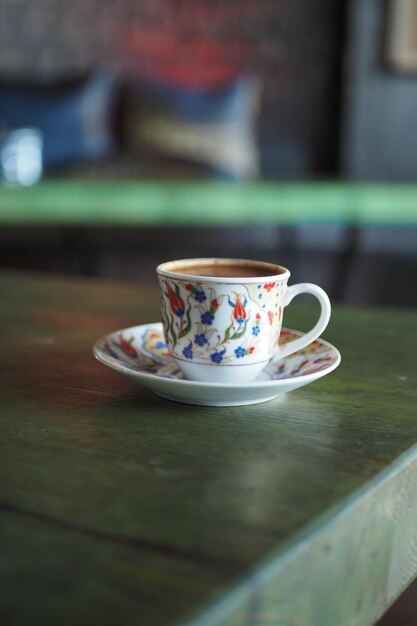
column 140, row 353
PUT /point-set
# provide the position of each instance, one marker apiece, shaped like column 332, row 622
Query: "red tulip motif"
column 176, row 303
column 239, row 313
column 127, row 347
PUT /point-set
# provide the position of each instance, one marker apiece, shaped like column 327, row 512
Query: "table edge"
column 388, row 502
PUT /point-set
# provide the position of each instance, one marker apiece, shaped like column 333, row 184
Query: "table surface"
column 119, row 507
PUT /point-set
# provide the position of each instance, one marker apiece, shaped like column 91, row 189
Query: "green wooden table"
column 120, row 508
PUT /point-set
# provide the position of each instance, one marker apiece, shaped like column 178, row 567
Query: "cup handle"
column 305, row 340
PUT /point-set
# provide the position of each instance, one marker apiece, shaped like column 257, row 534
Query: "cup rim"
column 167, row 269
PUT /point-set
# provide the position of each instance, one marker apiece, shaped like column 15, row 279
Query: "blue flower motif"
column 160, row 345
column 240, row 352
column 188, row 352
column 200, row 296
column 200, row 340
column 256, row 330
column 179, row 312
column 207, row 318
column 217, row 357
column 240, row 320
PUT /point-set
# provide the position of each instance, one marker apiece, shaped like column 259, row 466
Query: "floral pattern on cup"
column 193, row 330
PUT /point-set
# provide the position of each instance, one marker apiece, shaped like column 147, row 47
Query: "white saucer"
column 140, row 353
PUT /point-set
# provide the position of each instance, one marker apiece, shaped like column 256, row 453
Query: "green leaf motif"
column 241, row 332
column 173, row 333
column 227, row 333
column 188, row 326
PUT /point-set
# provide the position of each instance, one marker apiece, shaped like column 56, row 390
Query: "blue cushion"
column 75, row 121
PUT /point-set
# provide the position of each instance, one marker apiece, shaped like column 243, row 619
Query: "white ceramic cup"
column 225, row 329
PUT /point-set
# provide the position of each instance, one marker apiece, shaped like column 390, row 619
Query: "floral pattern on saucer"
column 139, row 353
column 148, row 355
column 146, row 351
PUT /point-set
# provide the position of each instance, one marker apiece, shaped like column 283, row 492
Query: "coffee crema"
column 223, row 270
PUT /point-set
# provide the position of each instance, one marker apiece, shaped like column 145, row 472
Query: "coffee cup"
column 222, row 318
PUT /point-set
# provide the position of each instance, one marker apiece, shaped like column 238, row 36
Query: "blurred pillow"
column 75, row 120
column 212, row 128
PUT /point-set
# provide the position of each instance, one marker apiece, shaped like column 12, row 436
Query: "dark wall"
column 380, row 112
column 355, row 266
column 296, row 47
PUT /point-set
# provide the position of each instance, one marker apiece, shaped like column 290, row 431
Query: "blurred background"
column 135, row 132
column 132, row 132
